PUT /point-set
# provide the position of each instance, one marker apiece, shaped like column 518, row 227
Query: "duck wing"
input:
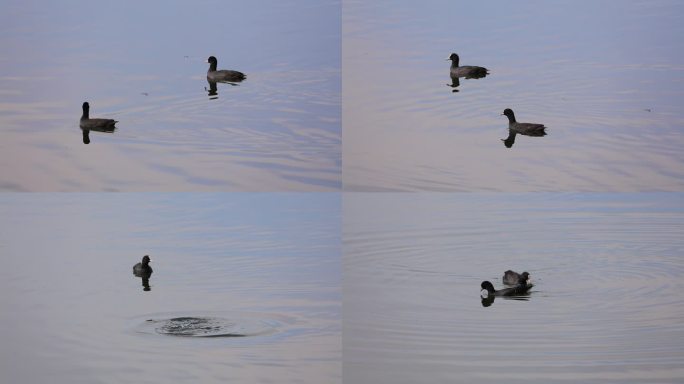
column 511, row 277
column 226, row 75
column 530, row 129
column 477, row 72
column 469, row 72
column 101, row 125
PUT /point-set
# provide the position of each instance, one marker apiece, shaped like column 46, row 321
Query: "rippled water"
column 143, row 63
column 606, row 306
column 214, row 325
column 606, row 78
column 264, row 267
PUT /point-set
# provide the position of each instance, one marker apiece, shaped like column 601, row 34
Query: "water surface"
column 606, row 306
column 143, row 63
column 606, row 78
column 245, row 288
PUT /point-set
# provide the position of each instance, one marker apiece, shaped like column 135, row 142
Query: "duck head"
column 487, row 286
column 454, row 59
column 86, row 111
column 509, row 113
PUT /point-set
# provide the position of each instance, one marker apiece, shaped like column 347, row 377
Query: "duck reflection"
column 213, row 89
column 489, row 300
column 144, row 271
column 146, row 283
column 455, row 82
column 510, row 140
column 86, row 132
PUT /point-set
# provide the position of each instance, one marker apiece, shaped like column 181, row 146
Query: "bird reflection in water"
column 213, row 89
column 86, row 132
column 213, row 92
column 489, row 300
column 510, row 140
column 146, row 283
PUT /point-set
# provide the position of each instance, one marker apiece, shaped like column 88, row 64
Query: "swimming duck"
column 222, row 75
column 528, row 129
column 467, row 71
column 143, row 268
column 105, row 125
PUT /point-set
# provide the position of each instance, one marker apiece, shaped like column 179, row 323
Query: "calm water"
column 606, row 307
column 143, row 63
column 606, row 77
column 265, row 267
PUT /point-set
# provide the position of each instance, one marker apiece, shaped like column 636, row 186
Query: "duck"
column 104, row 125
column 467, row 71
column 528, row 129
column 222, row 75
column 514, row 278
column 143, row 268
column 518, row 289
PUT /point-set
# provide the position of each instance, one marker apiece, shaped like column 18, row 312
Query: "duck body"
column 222, row 75
column 143, row 268
column 467, row 71
column 527, row 129
column 102, row 125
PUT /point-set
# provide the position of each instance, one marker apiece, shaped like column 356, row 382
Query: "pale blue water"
column 247, row 286
column 143, row 63
column 606, row 307
column 605, row 77
column 266, row 266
